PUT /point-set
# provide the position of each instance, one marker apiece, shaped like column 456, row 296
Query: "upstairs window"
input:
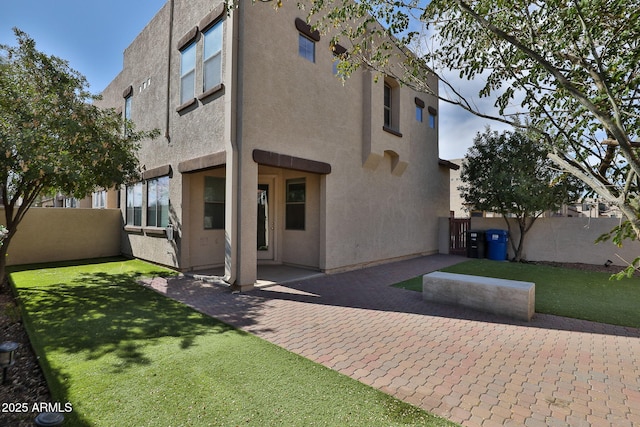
column 306, row 48
column 387, row 106
column 419, row 109
column 212, row 57
column 432, row 117
column 187, row 73
column 339, row 52
column 128, row 97
column 307, row 39
column 127, row 107
column 127, row 115
column 391, row 106
column 158, row 202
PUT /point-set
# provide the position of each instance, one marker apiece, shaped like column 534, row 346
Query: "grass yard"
column 564, row 292
column 122, row 354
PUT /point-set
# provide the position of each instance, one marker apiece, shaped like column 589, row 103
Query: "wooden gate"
column 458, row 228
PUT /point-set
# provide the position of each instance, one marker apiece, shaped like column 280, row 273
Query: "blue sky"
column 92, row 35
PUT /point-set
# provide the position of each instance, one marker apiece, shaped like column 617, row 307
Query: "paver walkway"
column 472, row 368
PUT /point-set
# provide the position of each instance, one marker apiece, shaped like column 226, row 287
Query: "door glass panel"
column 263, row 217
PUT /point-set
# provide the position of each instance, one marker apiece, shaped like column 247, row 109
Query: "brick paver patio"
column 472, row 368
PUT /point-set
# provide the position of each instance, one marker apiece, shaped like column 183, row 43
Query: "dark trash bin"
column 497, row 244
column 475, row 244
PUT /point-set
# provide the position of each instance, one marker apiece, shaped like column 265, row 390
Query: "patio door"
column 266, row 219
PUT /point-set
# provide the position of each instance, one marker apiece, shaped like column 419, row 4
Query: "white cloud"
column 459, row 127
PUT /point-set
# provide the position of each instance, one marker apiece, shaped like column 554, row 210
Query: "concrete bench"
column 499, row 296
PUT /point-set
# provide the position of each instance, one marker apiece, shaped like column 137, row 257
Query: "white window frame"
column 99, row 199
column 158, row 202
column 133, row 202
column 188, row 73
column 391, row 101
column 212, row 56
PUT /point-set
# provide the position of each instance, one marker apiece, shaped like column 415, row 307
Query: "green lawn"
column 564, row 292
column 124, row 355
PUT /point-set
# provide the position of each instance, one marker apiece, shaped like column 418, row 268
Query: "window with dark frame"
column 387, row 106
column 419, row 109
column 158, row 202
column 295, row 204
column 214, row 199
column 432, row 117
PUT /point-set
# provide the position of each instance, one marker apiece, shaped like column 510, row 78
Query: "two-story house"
column 265, row 155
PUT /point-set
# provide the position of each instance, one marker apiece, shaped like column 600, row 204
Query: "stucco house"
column 265, row 155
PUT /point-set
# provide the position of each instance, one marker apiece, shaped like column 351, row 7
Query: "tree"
column 510, row 174
column 52, row 137
column 568, row 70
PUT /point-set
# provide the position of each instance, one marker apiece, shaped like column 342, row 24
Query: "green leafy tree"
column 568, row 69
column 510, row 174
column 52, row 137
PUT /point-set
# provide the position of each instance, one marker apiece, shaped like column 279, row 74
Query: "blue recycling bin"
column 497, row 244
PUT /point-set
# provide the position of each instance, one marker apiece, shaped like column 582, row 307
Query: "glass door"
column 266, row 221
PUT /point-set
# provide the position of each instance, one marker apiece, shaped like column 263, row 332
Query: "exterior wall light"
column 7, row 357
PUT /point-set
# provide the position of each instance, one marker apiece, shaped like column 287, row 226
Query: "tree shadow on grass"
column 100, row 313
column 110, row 316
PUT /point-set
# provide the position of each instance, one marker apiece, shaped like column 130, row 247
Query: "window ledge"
column 186, row 105
column 133, row 229
column 155, row 231
column 392, row 131
column 212, row 91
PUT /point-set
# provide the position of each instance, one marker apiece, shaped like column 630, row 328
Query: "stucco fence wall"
column 56, row 234
column 566, row 240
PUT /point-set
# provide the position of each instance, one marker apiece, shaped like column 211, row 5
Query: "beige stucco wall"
column 206, row 247
column 371, row 209
column 567, row 240
column 301, row 247
column 380, row 202
column 185, row 135
column 50, row 234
